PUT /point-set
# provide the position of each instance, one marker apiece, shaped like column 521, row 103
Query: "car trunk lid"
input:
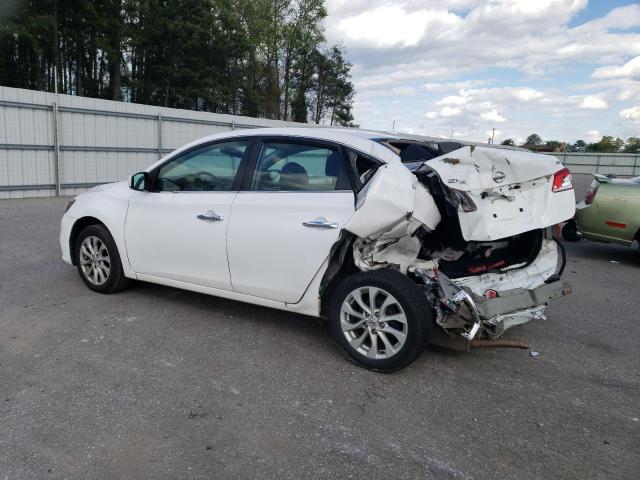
column 501, row 193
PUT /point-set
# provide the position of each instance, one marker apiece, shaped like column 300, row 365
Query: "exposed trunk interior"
column 461, row 258
column 475, row 258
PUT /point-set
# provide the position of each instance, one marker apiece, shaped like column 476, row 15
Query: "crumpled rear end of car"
column 473, row 226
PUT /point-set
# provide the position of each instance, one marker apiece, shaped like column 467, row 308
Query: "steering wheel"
column 162, row 180
column 205, row 179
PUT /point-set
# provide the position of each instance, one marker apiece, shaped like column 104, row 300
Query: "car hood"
column 108, row 186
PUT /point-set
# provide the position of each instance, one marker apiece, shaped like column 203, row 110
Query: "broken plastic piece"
column 472, row 331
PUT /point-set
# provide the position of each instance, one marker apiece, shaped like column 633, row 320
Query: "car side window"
column 363, row 167
column 299, row 167
column 211, row 168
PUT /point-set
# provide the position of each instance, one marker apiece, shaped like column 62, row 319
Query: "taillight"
column 562, row 181
column 466, row 202
column 591, row 193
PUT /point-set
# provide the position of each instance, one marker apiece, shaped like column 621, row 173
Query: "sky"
column 564, row 69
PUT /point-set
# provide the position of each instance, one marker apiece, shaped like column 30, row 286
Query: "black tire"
column 115, row 280
column 570, row 232
column 414, row 303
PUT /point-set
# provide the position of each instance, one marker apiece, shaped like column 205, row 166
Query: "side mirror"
column 140, row 181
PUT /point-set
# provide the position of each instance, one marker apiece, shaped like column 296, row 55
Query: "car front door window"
column 208, row 169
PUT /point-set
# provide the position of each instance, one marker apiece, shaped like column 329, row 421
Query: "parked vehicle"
column 609, row 213
column 331, row 223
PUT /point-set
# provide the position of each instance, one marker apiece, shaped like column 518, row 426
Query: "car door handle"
column 320, row 222
column 210, row 216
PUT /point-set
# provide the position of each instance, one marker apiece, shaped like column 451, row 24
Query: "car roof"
column 360, row 140
column 317, row 132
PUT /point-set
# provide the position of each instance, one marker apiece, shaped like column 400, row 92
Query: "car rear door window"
column 285, row 166
column 212, row 168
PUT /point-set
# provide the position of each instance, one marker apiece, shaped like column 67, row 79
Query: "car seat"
column 293, row 176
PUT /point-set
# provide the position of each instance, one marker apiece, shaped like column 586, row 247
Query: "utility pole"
column 493, row 133
column 393, row 128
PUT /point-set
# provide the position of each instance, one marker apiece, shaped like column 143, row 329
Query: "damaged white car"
column 399, row 243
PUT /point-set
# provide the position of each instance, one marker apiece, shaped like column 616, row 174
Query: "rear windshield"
column 411, row 152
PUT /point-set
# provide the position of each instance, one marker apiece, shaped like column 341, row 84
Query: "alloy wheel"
column 94, row 260
column 373, row 322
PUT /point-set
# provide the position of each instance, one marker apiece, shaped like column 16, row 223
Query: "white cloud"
column 391, row 25
column 620, row 18
column 492, row 116
column 420, row 70
column 527, row 94
column 452, row 100
column 624, row 89
column 593, row 135
column 631, row 69
column 594, row 102
column 473, row 64
column 402, row 90
column 448, row 86
column 632, row 114
column 450, row 111
column 525, row 35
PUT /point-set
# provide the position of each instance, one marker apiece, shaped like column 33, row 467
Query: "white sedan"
column 399, row 243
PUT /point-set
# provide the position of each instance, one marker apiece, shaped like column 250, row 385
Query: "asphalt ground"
column 156, row 382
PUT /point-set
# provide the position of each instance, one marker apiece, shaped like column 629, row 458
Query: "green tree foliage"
column 579, row 146
column 509, row 141
column 534, row 139
column 607, row 144
column 262, row 58
column 632, row 145
column 554, row 144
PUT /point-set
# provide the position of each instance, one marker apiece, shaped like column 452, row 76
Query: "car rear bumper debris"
column 466, row 314
column 518, row 306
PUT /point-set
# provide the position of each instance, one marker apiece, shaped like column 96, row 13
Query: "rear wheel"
column 98, row 260
column 570, row 231
column 381, row 319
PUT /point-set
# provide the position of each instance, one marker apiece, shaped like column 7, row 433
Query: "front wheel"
column 381, row 319
column 98, row 260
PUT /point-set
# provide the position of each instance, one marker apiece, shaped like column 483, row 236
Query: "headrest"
column 293, row 168
column 332, row 167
